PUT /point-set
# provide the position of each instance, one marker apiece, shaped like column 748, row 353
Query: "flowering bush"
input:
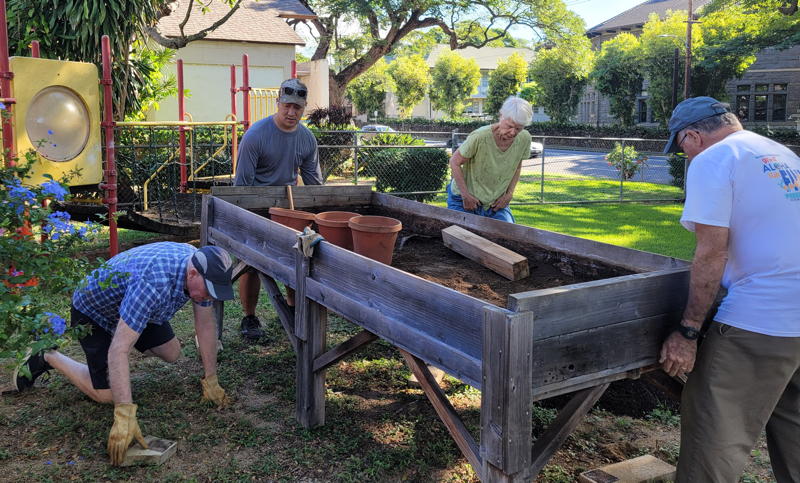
column 626, row 160
column 36, row 269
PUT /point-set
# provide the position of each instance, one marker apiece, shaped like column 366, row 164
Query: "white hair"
column 517, row 109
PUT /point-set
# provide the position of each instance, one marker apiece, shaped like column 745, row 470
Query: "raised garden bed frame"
column 570, row 339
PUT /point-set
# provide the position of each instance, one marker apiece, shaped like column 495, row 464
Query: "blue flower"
column 58, row 224
column 57, row 323
column 2, row 106
column 54, row 189
column 50, row 132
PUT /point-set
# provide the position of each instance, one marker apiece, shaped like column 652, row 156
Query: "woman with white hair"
column 486, row 167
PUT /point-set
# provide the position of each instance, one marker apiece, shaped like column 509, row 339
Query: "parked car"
column 377, row 128
column 536, row 148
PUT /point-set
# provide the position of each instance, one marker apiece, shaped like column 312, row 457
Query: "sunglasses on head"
column 290, row 91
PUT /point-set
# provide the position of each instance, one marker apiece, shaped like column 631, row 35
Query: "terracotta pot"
column 333, row 226
column 374, row 236
column 292, row 218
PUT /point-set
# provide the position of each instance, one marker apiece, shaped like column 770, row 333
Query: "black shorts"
column 95, row 345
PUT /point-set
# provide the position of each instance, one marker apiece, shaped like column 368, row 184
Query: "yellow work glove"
column 214, row 393
column 123, row 431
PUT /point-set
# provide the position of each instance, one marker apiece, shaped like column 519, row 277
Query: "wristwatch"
column 688, row 332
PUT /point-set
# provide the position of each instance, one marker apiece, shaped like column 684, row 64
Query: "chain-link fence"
column 149, row 168
column 559, row 169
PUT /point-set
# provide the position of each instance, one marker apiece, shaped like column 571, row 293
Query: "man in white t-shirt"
column 743, row 203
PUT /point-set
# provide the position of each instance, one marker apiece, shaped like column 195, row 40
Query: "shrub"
column 35, row 268
column 677, row 169
column 626, row 160
column 409, row 170
column 323, row 123
column 365, row 156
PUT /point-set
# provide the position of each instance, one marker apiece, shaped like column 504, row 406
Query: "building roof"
column 637, row 16
column 255, row 21
column 486, row 57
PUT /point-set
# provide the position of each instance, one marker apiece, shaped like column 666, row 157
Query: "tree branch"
column 183, row 40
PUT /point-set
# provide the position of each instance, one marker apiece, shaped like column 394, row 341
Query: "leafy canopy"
column 617, row 75
column 561, row 73
column 506, row 80
column 411, row 78
column 454, row 80
column 368, row 91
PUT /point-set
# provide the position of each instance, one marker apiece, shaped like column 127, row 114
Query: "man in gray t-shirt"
column 270, row 154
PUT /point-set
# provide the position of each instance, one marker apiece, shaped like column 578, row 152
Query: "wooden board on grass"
column 502, row 261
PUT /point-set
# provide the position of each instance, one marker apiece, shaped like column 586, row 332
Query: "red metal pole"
column 234, row 90
column 246, row 90
column 181, row 130
column 35, row 49
column 5, row 89
column 294, row 69
column 110, row 184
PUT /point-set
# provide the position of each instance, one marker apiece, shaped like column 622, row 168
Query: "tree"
column 368, row 91
column 73, row 30
column 386, row 24
column 617, row 75
column 659, row 40
column 530, row 92
column 779, row 21
column 506, row 80
column 561, row 74
column 411, row 78
column 454, row 80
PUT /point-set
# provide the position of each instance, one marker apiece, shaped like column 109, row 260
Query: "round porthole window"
column 57, row 123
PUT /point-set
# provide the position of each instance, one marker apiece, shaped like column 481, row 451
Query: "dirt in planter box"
column 427, row 257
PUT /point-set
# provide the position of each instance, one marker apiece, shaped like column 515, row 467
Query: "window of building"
column 779, row 87
column 642, row 110
column 743, row 88
column 779, row 107
column 760, row 108
column 762, row 87
column 743, row 107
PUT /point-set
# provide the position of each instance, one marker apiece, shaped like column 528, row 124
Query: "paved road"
column 586, row 163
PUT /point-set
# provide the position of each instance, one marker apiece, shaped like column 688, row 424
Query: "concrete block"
column 158, row 451
column 644, row 469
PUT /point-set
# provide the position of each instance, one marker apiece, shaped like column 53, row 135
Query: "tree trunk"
column 336, row 90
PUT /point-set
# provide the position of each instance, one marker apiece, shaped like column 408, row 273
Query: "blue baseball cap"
column 689, row 112
column 216, row 267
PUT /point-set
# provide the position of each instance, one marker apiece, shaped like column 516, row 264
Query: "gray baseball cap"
column 293, row 92
column 689, row 112
column 216, row 267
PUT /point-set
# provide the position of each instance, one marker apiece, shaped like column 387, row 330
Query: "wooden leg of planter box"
column 311, row 325
column 506, row 394
column 285, row 314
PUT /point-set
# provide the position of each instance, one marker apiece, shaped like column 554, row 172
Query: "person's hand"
column 501, row 202
column 214, row 393
column 469, row 202
column 678, row 354
column 123, row 431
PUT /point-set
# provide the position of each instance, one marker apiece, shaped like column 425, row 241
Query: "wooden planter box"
column 569, row 339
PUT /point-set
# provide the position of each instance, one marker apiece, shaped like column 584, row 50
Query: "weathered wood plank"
column 240, row 269
column 398, row 332
column 285, row 313
column 581, row 306
column 613, row 255
column 310, row 409
column 446, row 412
column 502, row 261
column 302, row 268
column 351, row 345
column 277, row 266
column 506, row 393
column 628, row 371
column 206, row 212
column 567, row 420
column 261, row 197
column 618, row 347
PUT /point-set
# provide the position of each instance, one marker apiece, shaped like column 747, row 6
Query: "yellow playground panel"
column 263, row 103
column 58, row 116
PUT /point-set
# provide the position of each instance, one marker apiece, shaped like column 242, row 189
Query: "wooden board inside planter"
column 497, row 258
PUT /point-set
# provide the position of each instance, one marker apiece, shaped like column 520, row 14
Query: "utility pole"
column 687, row 74
column 675, row 61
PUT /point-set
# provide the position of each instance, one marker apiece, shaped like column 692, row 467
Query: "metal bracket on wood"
column 344, row 349
column 285, row 313
column 445, row 411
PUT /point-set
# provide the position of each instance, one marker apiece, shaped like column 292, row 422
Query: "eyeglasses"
column 289, row 91
column 680, row 143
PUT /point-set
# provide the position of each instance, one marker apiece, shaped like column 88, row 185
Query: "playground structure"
column 567, row 339
column 54, row 109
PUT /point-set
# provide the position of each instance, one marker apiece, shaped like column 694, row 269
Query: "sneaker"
column 251, row 328
column 36, row 365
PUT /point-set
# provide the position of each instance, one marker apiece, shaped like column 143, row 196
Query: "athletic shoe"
column 36, row 365
column 251, row 328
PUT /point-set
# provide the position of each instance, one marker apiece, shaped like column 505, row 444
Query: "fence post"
column 355, row 158
column 622, row 172
column 541, row 180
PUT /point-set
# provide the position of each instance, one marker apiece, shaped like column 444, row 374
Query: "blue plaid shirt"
column 147, row 286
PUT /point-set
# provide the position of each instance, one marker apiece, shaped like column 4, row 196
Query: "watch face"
column 689, row 332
